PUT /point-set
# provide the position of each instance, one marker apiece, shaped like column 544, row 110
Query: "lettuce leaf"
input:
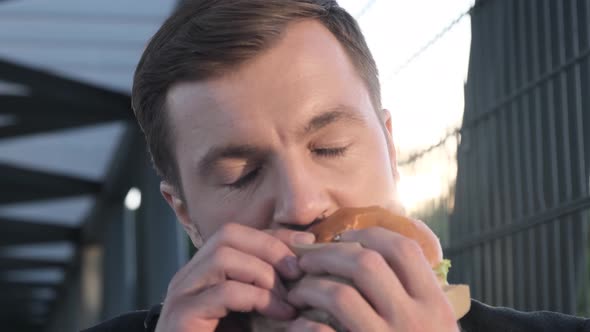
column 442, row 270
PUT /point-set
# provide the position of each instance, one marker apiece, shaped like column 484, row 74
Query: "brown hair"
column 203, row 39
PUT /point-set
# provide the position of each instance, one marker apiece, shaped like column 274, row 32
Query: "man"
column 262, row 118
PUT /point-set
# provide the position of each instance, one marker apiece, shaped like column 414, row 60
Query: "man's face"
column 288, row 137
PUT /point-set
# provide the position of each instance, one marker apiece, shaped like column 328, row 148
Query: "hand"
column 238, row 270
column 393, row 286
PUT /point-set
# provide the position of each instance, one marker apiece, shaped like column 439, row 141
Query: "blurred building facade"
column 71, row 253
column 519, row 231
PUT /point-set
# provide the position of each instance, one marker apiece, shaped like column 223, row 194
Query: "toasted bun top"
column 359, row 218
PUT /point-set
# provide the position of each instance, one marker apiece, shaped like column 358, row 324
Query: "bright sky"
column 426, row 97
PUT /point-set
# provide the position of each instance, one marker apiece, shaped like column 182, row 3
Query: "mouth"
column 317, row 221
column 307, row 227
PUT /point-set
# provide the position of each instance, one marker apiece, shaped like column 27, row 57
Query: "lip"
column 317, row 221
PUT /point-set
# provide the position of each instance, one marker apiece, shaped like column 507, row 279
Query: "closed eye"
column 245, row 180
column 330, row 152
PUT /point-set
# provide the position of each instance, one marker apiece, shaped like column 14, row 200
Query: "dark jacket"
column 481, row 318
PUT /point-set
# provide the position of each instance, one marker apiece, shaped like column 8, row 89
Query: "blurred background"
column 491, row 108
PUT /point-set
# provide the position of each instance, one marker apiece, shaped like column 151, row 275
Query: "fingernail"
column 293, row 265
column 303, row 238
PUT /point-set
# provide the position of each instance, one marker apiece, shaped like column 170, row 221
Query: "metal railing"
column 520, row 229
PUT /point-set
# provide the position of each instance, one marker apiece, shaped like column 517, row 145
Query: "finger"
column 236, row 265
column 342, row 301
column 291, row 237
column 256, row 243
column 366, row 268
column 302, row 324
column 404, row 255
column 227, row 263
column 298, row 242
column 215, row 302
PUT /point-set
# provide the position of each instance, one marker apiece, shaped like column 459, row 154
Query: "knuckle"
column 174, row 302
column 227, row 289
column 220, row 256
column 177, row 281
column 342, row 294
column 173, row 284
column 274, row 246
column 266, row 277
column 408, row 248
column 174, row 281
column 279, row 233
column 375, row 231
column 370, row 260
column 227, row 231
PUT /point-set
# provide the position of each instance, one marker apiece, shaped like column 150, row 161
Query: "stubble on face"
column 267, row 172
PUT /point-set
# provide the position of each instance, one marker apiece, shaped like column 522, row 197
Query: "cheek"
column 209, row 208
column 370, row 179
column 214, row 209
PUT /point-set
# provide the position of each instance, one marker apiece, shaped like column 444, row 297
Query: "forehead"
column 306, row 71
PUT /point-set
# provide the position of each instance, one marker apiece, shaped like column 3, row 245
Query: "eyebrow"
column 338, row 113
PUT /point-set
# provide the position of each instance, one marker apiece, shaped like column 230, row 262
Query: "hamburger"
column 345, row 219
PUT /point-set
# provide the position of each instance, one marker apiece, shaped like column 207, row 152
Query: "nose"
column 301, row 198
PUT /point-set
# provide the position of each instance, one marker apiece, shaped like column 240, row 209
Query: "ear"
column 174, row 199
column 386, row 118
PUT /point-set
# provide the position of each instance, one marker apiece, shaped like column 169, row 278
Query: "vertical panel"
column 119, row 292
column 483, row 160
column 566, row 250
column 584, row 236
column 537, row 147
column 496, row 247
column 538, row 37
column 586, row 95
column 554, row 230
column 570, row 81
column 517, row 46
column 485, row 267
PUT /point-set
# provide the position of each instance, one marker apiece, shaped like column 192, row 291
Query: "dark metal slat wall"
column 520, row 229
